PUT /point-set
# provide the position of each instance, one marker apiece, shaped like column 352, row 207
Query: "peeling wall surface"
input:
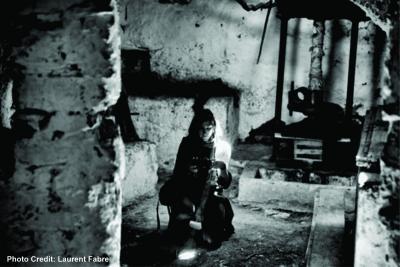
column 60, row 192
column 378, row 219
column 141, row 171
column 165, row 121
column 64, row 198
column 377, row 230
column 6, row 104
column 206, row 40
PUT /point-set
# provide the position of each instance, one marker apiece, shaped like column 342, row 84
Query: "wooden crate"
column 297, row 149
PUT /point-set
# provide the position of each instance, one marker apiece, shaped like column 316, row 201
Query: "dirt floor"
column 264, row 236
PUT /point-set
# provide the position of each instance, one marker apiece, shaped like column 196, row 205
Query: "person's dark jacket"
column 194, row 160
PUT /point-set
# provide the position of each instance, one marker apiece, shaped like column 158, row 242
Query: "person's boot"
column 209, row 242
column 228, row 232
column 178, row 231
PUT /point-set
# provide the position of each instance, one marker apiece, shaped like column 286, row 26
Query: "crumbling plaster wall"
column 378, row 221
column 205, row 40
column 6, row 102
column 141, row 171
column 64, row 198
column 6, row 85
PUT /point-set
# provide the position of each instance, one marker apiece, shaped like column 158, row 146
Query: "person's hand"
column 215, row 173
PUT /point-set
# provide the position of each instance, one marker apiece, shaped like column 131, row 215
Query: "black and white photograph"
column 204, row 133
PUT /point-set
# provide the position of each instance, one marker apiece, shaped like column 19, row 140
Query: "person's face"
column 206, row 131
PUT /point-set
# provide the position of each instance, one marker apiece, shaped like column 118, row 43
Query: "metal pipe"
column 281, row 69
column 352, row 70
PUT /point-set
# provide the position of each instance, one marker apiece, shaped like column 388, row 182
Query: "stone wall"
column 378, row 219
column 5, row 80
column 141, row 171
column 6, row 102
column 64, row 198
column 206, row 40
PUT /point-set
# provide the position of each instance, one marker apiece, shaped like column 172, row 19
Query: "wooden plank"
column 317, row 152
column 373, row 139
column 378, row 140
column 327, row 229
column 313, row 223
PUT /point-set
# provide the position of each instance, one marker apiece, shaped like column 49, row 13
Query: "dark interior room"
column 200, row 133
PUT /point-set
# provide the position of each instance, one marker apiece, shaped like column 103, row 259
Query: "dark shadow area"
column 265, row 132
column 139, row 80
column 338, row 138
column 379, row 47
column 145, row 249
column 182, row 2
column 7, row 169
column 122, row 115
column 155, row 249
column 317, row 10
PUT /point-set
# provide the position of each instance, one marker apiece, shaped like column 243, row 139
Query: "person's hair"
column 201, row 116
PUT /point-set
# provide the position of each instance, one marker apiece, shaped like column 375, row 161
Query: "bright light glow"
column 187, row 254
column 362, row 178
column 223, row 149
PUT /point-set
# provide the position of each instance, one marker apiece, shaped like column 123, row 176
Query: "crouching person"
column 194, row 192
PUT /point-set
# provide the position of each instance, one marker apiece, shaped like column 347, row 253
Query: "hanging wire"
column 263, row 34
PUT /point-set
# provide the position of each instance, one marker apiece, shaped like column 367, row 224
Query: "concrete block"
column 281, row 194
column 262, row 170
column 327, row 229
column 276, row 190
column 141, row 171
